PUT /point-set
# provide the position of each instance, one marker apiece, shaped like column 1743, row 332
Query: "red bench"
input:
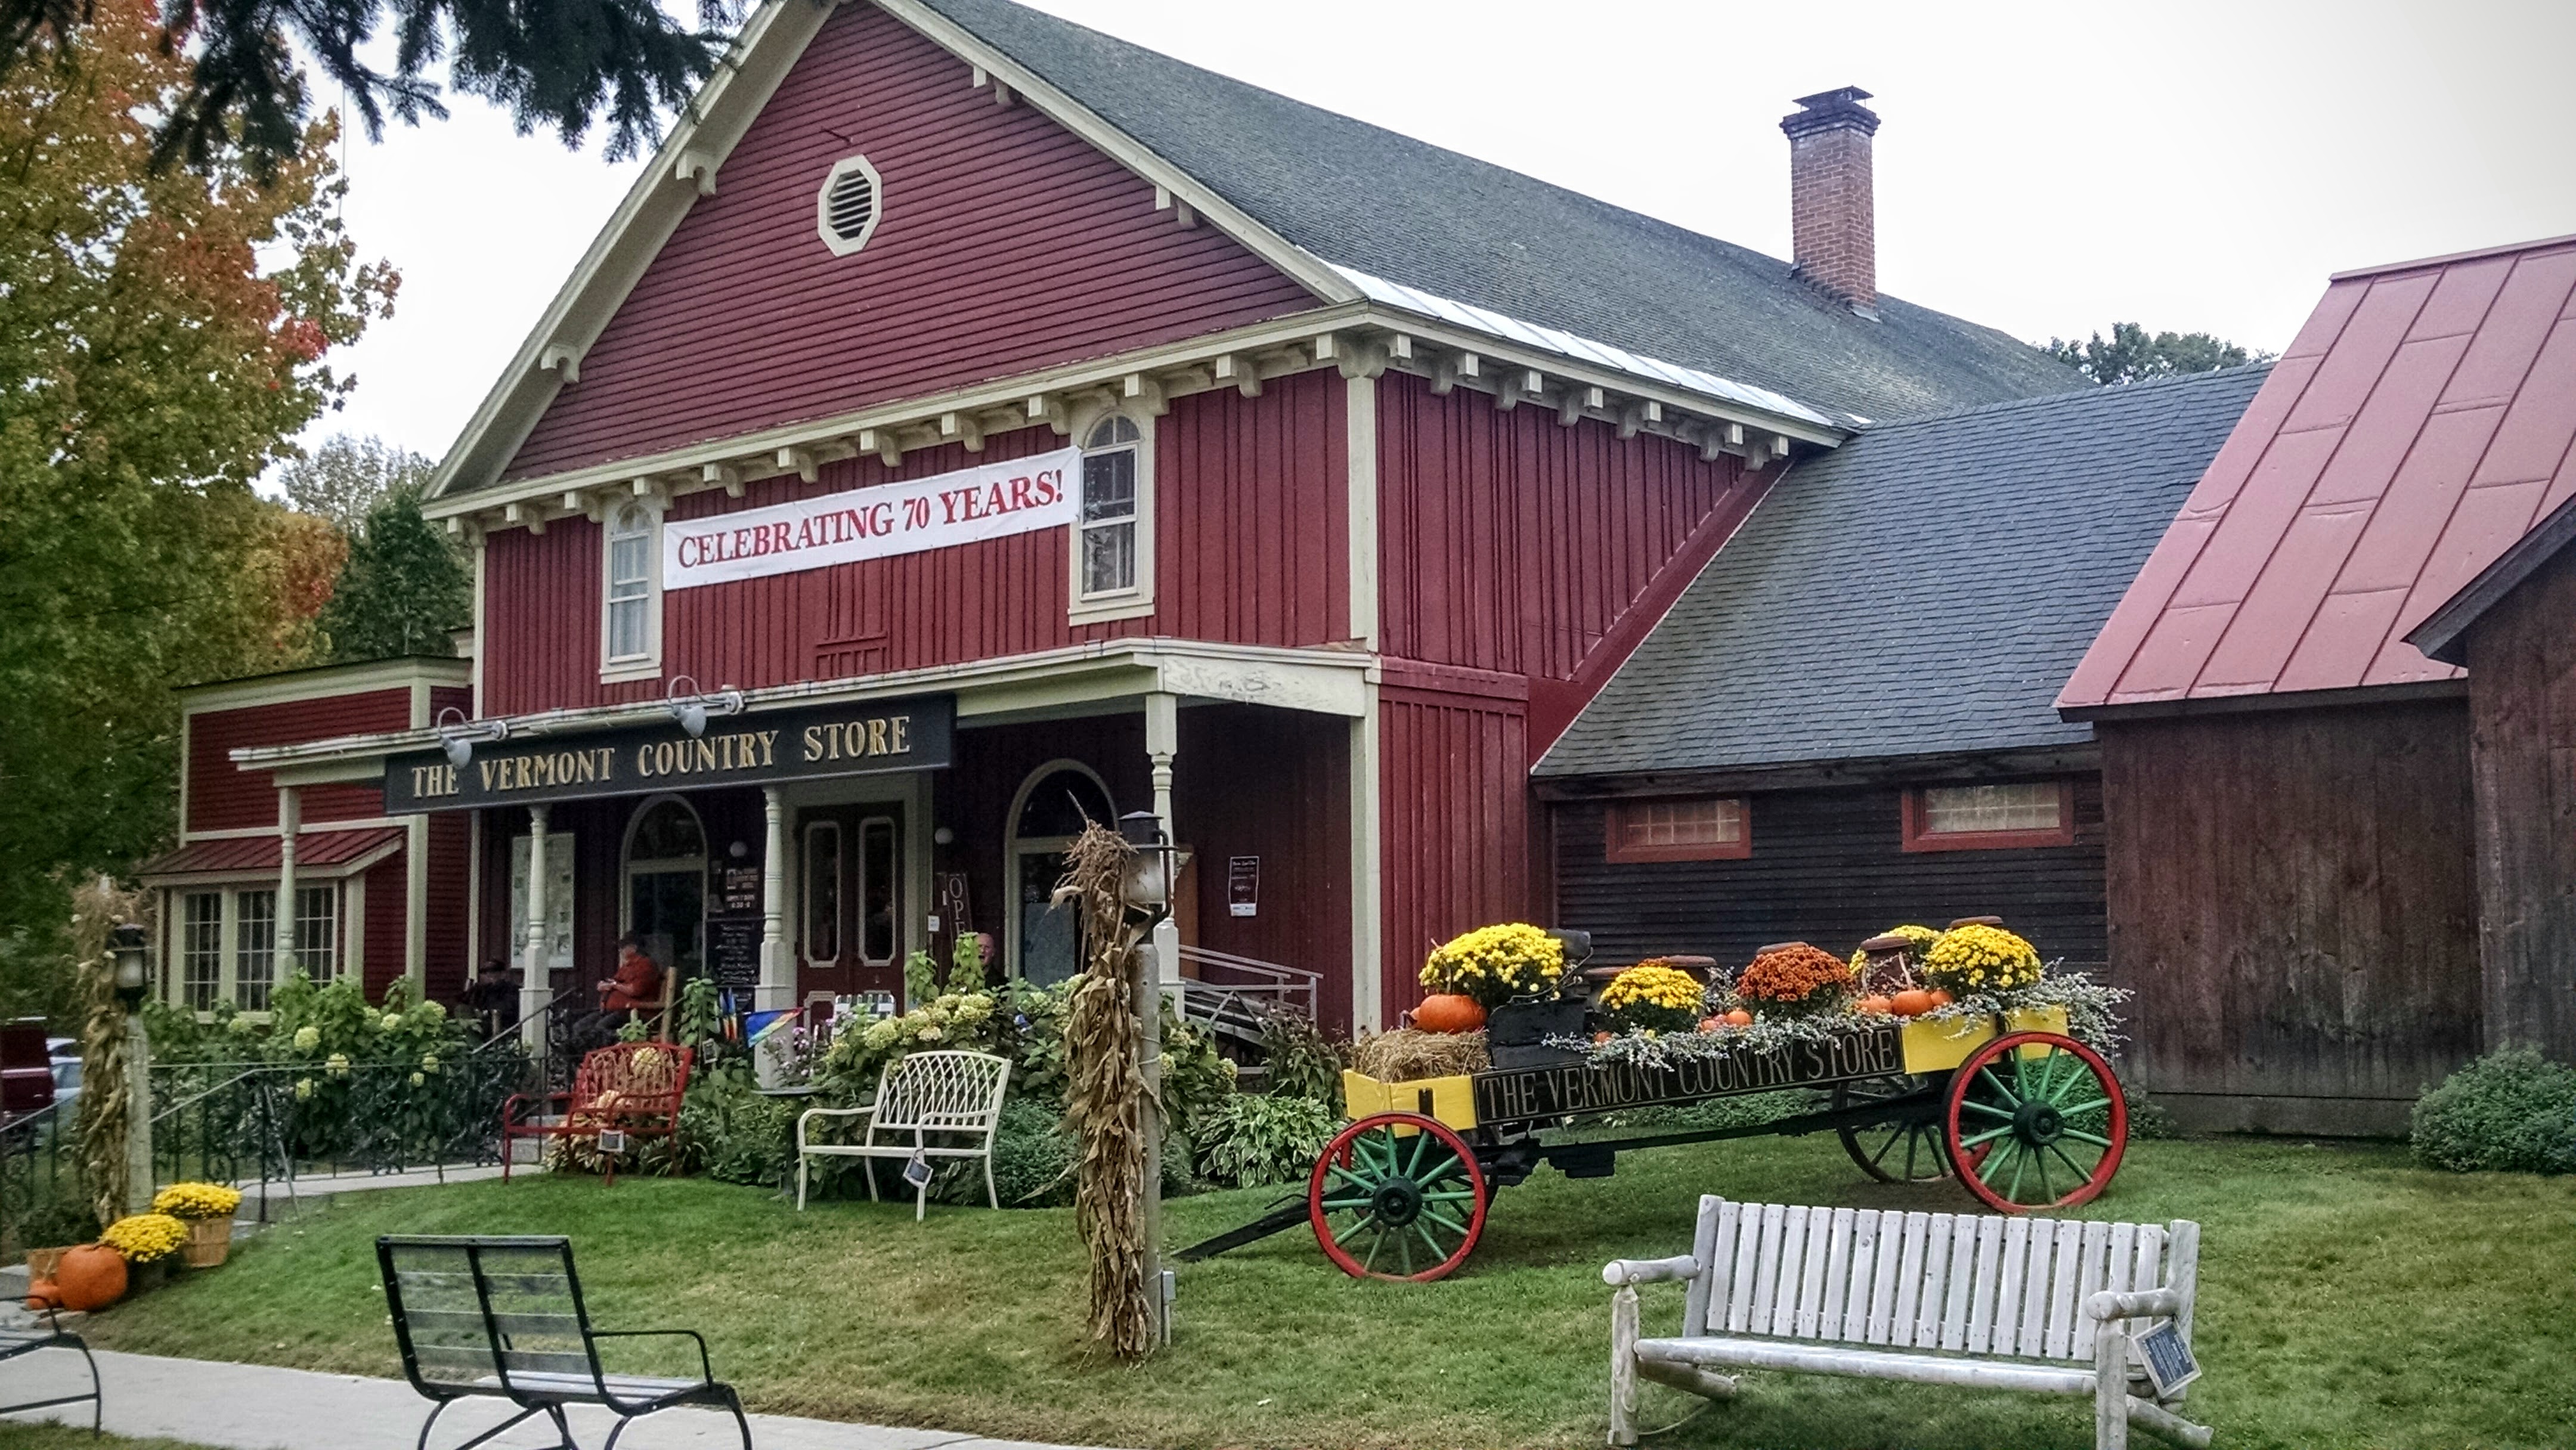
column 632, row 1089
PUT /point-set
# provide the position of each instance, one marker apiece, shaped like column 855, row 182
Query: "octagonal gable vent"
column 847, row 209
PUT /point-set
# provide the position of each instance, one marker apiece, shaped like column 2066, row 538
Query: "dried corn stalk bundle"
column 97, row 908
column 1106, row 1098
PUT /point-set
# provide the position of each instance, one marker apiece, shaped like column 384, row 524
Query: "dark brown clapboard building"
column 1847, row 721
column 2339, row 865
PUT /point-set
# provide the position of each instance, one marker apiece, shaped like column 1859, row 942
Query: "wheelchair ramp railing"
column 1235, row 997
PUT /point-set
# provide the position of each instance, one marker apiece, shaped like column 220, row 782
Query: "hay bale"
column 1411, row 1055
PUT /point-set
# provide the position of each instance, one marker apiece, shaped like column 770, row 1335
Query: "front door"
column 851, row 936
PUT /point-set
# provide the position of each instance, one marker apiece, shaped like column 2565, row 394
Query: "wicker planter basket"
column 209, row 1241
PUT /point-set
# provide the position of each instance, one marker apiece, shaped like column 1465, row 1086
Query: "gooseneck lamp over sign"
column 456, row 737
column 691, row 707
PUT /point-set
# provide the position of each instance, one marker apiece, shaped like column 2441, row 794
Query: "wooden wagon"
column 2025, row 1117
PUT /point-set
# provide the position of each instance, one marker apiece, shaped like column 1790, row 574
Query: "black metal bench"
column 52, row 1335
column 502, row 1318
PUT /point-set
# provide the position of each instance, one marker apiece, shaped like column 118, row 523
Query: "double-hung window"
column 1113, row 535
column 317, row 935
column 1690, row 828
column 201, row 949
column 630, row 627
column 254, row 949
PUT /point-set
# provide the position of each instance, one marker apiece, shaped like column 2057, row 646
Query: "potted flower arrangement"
column 1511, row 973
column 1653, row 996
column 207, row 1209
column 1980, row 959
column 144, row 1241
column 1794, row 979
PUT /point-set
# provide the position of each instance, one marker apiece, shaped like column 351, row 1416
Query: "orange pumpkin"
column 43, row 1294
column 1740, row 1017
column 1941, row 998
column 1877, row 1006
column 1912, row 1002
column 1449, row 1012
column 90, row 1277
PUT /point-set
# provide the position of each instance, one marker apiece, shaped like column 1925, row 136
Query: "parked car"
column 64, row 1055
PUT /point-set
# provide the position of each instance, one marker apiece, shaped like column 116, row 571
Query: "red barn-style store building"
column 970, row 423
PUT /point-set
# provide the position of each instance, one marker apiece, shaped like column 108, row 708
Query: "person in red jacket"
column 638, row 982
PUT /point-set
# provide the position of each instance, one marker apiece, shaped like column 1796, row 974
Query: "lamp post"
column 128, row 948
column 1148, row 889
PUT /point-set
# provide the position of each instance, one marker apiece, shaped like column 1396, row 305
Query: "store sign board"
column 1525, row 1094
column 760, row 748
column 989, row 501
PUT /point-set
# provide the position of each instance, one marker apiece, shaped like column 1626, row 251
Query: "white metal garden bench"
column 925, row 1097
column 1936, row 1298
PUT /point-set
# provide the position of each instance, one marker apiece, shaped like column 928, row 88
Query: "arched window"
column 1044, row 941
column 666, row 882
column 629, row 633
column 1113, row 539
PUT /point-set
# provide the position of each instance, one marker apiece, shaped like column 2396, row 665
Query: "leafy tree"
column 2133, row 355
column 556, row 63
column 404, row 587
column 347, row 477
column 152, row 365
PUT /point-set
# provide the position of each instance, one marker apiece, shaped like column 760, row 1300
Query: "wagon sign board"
column 1531, row 1093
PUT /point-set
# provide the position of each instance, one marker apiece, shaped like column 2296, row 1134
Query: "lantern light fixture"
column 127, row 946
column 1148, row 883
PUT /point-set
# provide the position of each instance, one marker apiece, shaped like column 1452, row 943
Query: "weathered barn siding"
column 2292, row 898
column 1249, row 516
column 1454, row 818
column 1510, row 542
column 221, row 797
column 2522, row 713
column 1005, row 244
column 1828, row 867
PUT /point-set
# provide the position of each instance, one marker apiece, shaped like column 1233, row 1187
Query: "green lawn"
column 2348, row 1299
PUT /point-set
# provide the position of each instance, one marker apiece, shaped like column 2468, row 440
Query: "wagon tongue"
column 1287, row 1213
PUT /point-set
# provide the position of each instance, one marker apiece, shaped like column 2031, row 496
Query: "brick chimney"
column 1832, row 219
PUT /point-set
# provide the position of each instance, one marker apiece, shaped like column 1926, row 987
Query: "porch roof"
column 317, row 853
column 1078, row 679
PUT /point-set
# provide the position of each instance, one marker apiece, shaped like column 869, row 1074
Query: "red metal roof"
column 2420, row 424
column 318, row 852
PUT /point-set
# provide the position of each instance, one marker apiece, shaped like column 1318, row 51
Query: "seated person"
column 635, row 986
column 492, row 998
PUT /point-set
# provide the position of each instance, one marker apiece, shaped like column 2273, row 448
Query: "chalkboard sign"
column 2167, row 1359
column 733, row 950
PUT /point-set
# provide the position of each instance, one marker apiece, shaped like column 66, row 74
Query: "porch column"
column 536, row 985
column 290, row 819
column 777, row 975
column 1162, row 742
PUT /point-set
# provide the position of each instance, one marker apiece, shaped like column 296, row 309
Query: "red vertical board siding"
column 1454, row 825
column 1513, row 543
column 1005, row 244
column 450, row 953
column 1250, row 522
column 1273, row 785
column 221, row 797
column 388, row 918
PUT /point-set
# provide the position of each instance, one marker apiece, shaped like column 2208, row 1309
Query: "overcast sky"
column 2044, row 169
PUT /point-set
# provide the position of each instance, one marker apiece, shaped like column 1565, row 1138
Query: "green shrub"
column 1255, row 1140
column 1300, row 1061
column 2510, row 1110
column 738, row 1136
column 1032, row 1161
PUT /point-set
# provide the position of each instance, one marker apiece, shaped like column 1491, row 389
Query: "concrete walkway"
column 257, row 1407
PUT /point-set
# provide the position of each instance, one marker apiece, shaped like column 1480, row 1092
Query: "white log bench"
column 2034, row 1304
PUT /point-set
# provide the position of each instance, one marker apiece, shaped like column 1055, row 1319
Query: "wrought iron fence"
column 39, row 1168
column 268, row 1123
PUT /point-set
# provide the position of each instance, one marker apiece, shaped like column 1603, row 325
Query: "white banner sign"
column 985, row 502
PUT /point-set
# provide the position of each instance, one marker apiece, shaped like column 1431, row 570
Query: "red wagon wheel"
column 1397, row 1205
column 2042, row 1128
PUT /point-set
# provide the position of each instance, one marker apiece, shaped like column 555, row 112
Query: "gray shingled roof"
column 1447, row 224
column 1923, row 590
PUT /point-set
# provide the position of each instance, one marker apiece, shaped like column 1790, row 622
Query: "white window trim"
column 823, row 205
column 228, row 951
column 1136, row 601
column 648, row 665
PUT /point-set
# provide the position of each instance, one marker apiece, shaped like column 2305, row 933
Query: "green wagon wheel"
column 1397, row 1196
column 1908, row 1145
column 2035, row 1121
